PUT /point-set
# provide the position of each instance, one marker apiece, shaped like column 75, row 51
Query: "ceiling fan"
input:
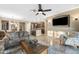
column 40, row 10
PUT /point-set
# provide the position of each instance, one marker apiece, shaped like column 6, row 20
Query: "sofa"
column 13, row 39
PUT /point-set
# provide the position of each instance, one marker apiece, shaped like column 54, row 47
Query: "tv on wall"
column 61, row 21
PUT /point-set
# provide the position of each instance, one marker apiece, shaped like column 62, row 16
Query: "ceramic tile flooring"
column 43, row 39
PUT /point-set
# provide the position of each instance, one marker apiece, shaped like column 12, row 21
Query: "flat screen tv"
column 61, row 21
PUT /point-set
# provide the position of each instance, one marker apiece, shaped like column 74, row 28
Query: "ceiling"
column 24, row 11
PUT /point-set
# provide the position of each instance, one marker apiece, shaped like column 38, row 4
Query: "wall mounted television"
column 61, row 20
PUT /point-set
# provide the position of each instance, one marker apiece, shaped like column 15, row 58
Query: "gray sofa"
column 13, row 39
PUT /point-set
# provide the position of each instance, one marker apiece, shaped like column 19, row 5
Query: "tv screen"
column 61, row 21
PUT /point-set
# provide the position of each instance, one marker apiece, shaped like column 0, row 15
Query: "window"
column 22, row 26
column 5, row 25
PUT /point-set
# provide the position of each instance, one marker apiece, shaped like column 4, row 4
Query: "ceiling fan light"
column 40, row 12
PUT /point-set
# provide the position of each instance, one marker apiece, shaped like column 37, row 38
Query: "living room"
column 47, row 29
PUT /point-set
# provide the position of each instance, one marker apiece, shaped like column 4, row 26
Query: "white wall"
column 74, row 24
column 28, row 27
column 0, row 25
column 16, row 22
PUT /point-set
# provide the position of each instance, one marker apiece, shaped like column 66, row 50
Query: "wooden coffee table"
column 37, row 50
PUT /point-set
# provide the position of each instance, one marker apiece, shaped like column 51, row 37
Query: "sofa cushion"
column 13, row 35
column 11, row 44
column 20, row 34
column 26, row 34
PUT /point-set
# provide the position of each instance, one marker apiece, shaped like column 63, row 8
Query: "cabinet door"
column 38, row 32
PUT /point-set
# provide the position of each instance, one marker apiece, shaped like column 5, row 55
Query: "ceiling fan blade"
column 37, row 13
column 34, row 10
column 44, row 14
column 40, row 7
column 47, row 10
